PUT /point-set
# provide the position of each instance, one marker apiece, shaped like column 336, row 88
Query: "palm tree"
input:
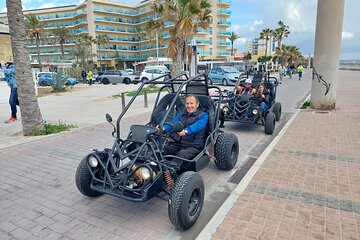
column 101, row 39
column 35, row 29
column 139, row 36
column 31, row 117
column 280, row 33
column 187, row 16
column 81, row 52
column 233, row 38
column 289, row 54
column 62, row 35
column 266, row 34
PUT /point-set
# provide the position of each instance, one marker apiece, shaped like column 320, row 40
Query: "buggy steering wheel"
column 172, row 136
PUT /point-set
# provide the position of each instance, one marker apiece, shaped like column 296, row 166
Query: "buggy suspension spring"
column 168, row 179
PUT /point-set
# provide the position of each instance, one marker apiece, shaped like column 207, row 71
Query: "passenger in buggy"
column 247, row 89
column 261, row 100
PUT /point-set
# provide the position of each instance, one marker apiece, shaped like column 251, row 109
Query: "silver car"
column 117, row 76
column 224, row 75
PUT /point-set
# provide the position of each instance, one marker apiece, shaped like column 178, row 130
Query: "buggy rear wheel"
column 83, row 179
column 277, row 110
column 270, row 123
column 186, row 200
column 226, row 151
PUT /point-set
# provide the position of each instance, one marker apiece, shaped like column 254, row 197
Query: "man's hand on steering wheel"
column 182, row 133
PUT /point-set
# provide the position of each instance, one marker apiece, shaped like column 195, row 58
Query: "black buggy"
column 136, row 168
column 245, row 108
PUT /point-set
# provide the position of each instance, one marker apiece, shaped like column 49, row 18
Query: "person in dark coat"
column 193, row 135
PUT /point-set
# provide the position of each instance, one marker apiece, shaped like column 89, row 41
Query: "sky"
column 249, row 17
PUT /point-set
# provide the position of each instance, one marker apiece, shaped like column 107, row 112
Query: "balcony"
column 203, row 42
column 223, row 43
column 203, row 31
column 224, row 22
column 220, row 53
column 224, row 2
column 224, row 12
column 223, row 33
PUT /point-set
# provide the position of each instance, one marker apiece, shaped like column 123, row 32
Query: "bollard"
column 145, row 99
column 123, row 100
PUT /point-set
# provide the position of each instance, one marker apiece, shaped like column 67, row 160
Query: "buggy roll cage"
column 170, row 83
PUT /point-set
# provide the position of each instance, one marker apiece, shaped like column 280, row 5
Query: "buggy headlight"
column 93, row 162
column 225, row 108
column 255, row 111
column 145, row 173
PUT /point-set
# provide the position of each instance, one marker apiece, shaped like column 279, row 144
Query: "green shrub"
column 305, row 105
column 52, row 128
column 59, row 83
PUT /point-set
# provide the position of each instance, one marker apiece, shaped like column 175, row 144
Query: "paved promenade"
column 306, row 185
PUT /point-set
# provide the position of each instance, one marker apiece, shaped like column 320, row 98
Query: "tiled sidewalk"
column 309, row 185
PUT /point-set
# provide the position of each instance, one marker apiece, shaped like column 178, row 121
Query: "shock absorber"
column 168, row 179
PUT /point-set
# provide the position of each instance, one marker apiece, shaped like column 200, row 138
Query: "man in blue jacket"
column 9, row 76
column 193, row 135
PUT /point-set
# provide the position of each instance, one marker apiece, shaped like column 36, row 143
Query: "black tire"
column 43, row 83
column 83, row 180
column 226, row 151
column 210, row 81
column 186, row 200
column 277, row 110
column 270, row 123
column 225, row 82
column 127, row 81
column 105, row 81
column 144, row 79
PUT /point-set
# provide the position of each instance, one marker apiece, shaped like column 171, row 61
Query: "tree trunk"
column 178, row 63
column 38, row 52
column 232, row 47
column 266, row 46
column 30, row 112
column 62, row 49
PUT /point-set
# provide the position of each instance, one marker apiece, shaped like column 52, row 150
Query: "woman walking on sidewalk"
column 9, row 76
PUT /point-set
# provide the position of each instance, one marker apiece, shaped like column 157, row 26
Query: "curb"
column 221, row 213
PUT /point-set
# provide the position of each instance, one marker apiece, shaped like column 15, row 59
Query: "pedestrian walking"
column 9, row 76
column 90, row 76
column 83, row 75
column 300, row 71
column 281, row 72
column 291, row 70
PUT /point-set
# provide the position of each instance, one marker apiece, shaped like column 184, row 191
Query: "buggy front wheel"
column 226, row 151
column 186, row 200
column 83, row 179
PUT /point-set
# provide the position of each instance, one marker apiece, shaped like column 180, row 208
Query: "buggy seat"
column 206, row 104
column 163, row 106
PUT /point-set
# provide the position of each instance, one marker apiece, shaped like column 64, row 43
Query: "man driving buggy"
column 193, row 135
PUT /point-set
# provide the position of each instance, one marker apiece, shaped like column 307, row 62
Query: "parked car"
column 224, row 75
column 48, row 79
column 151, row 72
column 161, row 67
column 116, row 76
column 130, row 71
column 39, row 74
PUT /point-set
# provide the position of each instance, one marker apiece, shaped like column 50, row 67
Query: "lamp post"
column 193, row 66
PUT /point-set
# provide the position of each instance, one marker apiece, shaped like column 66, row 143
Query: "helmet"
column 248, row 80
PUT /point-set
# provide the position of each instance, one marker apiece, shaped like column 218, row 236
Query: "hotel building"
column 119, row 22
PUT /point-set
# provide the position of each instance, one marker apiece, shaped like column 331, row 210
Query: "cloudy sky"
column 249, row 17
